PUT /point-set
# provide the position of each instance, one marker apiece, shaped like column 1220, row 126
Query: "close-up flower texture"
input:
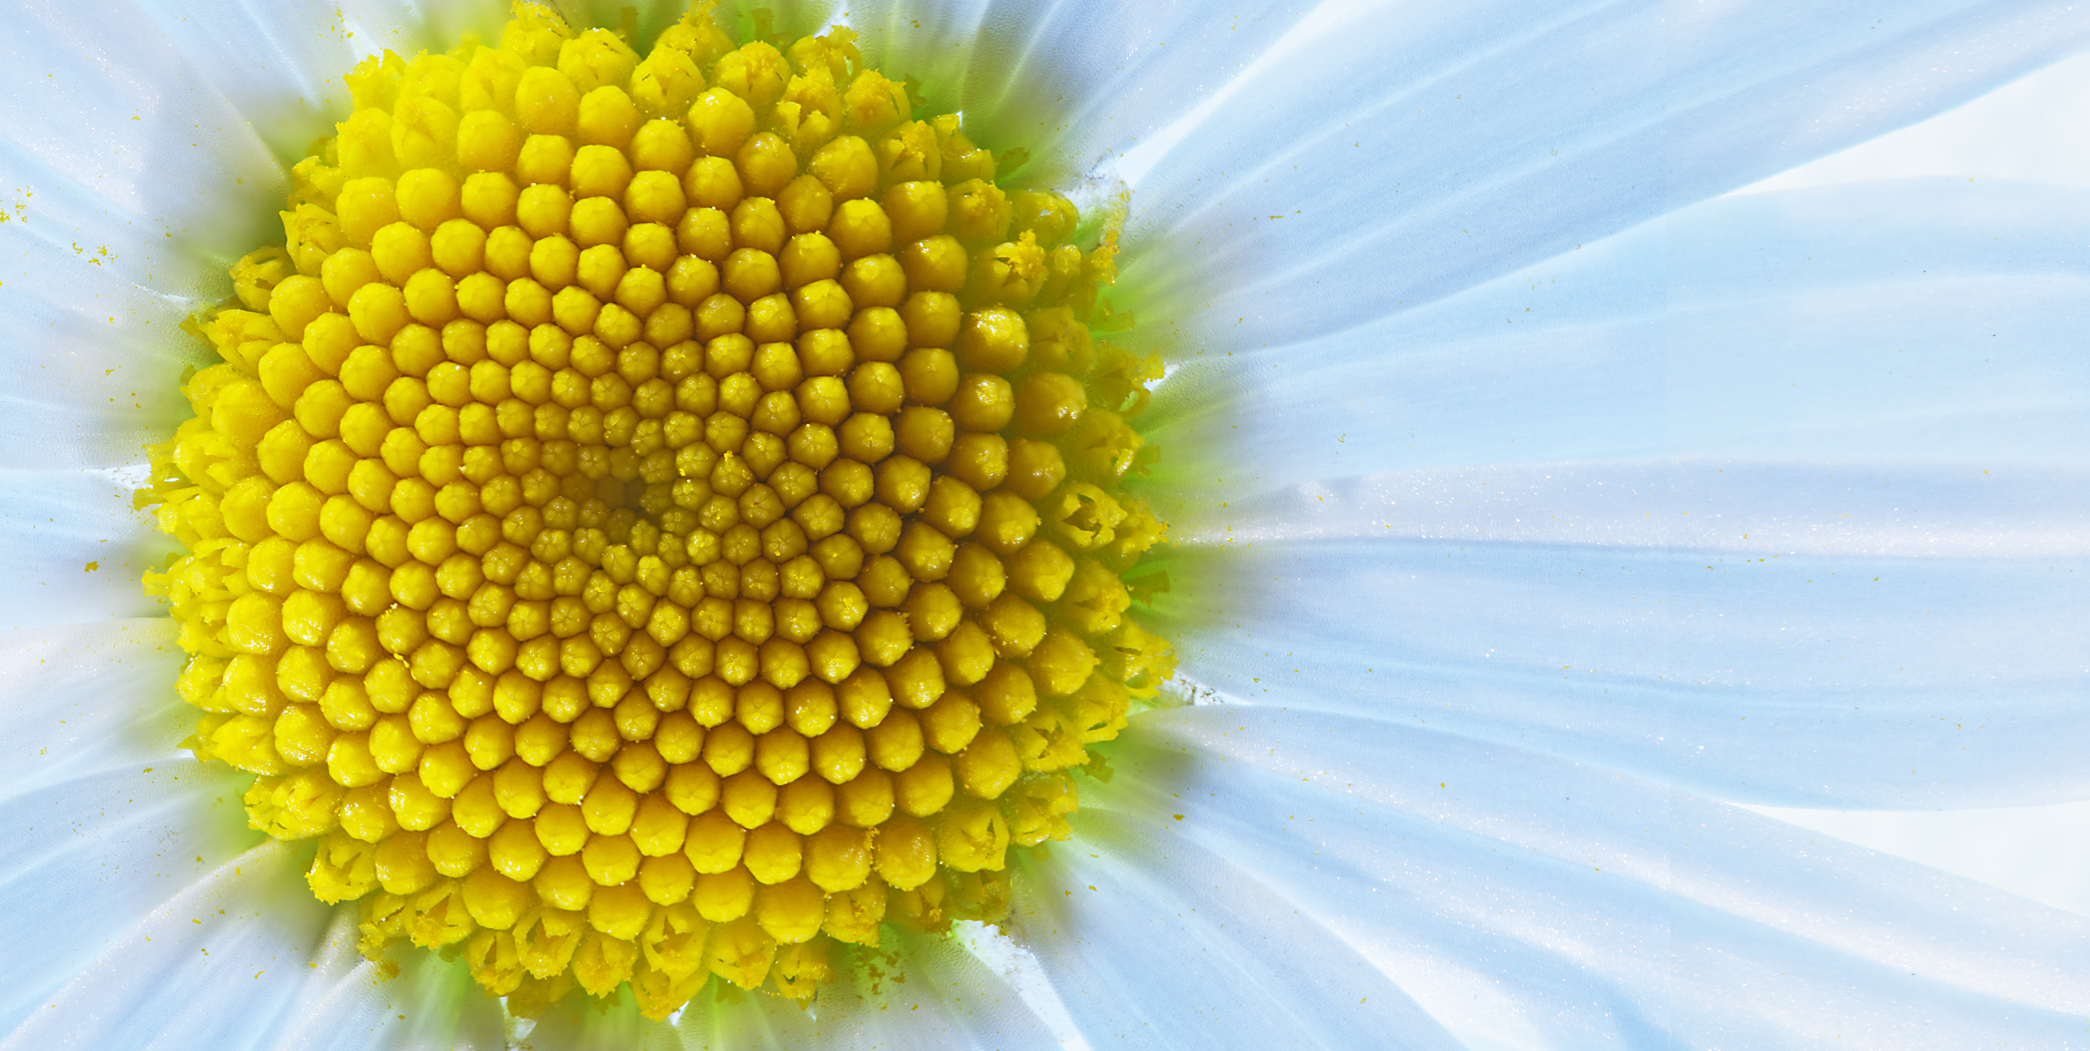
column 983, row 524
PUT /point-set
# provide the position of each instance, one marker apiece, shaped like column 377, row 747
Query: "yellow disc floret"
column 656, row 516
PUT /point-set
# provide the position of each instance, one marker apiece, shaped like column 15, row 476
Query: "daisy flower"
column 1532, row 509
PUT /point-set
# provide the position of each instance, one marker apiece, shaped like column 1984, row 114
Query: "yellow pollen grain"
column 657, row 515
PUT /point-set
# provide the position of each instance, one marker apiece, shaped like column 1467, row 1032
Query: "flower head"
column 1509, row 534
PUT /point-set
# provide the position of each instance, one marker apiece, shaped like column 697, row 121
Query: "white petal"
column 109, row 826
column 188, row 165
column 53, row 526
column 279, row 64
column 1799, row 678
column 139, row 176
column 1920, row 320
column 759, row 1021
column 1153, row 940
column 87, row 860
column 1683, row 338
column 1595, row 910
column 1895, row 510
column 132, row 183
column 245, row 958
column 196, row 971
column 930, row 994
column 104, row 819
column 582, row 1024
column 89, row 699
column 1412, row 151
column 97, row 375
column 347, row 1005
column 944, row 998
column 100, row 355
column 1067, row 81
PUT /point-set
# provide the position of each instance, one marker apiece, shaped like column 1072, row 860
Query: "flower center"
column 657, row 516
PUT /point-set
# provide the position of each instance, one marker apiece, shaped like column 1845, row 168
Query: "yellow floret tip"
column 659, row 515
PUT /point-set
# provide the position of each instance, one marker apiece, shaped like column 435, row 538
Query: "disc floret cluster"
column 658, row 516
